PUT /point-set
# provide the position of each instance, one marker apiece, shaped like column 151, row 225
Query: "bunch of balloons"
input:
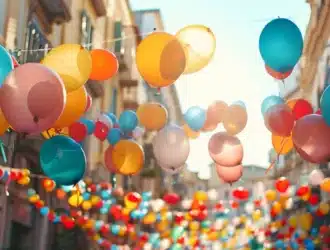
column 280, row 45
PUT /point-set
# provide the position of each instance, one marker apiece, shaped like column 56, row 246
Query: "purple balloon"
column 32, row 98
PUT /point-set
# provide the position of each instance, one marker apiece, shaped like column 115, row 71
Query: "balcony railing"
column 56, row 11
column 99, row 7
column 95, row 88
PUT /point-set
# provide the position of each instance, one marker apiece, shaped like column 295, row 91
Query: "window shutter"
column 113, row 108
column 117, row 35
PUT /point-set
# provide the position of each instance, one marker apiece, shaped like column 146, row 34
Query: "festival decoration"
column 269, row 102
column 235, row 119
column 6, row 65
column 160, row 59
column 38, row 94
column 282, row 145
column 104, row 65
column 215, row 113
column 279, row 120
column 128, row 121
column 278, row 75
column 156, row 111
column 191, row 134
column 300, row 108
column 281, row 45
column 197, row 57
column 195, row 118
column 325, row 104
column 229, row 174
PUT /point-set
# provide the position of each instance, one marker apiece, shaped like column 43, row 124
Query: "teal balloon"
column 176, row 247
column 90, row 125
column 63, row 160
column 240, row 103
column 128, row 121
column 195, row 118
column 114, row 136
column 44, row 211
column 269, row 102
column 6, row 64
column 176, row 233
column 281, row 45
column 112, row 117
column 325, row 105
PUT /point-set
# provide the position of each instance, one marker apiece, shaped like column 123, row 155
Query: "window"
column 118, row 35
column 87, row 30
column 113, row 108
column 35, row 40
column 3, row 10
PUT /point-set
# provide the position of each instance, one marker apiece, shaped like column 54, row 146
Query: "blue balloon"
column 146, row 196
column 63, row 160
column 44, row 211
column 269, row 102
column 104, row 210
column 105, row 194
column 281, row 45
column 128, row 121
column 195, row 117
column 90, row 125
column 325, row 105
column 115, row 229
column 67, row 189
column 112, row 117
column 114, row 136
column 239, row 103
column 86, row 196
column 6, row 64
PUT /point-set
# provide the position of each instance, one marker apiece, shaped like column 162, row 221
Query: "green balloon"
column 177, row 232
column 176, row 247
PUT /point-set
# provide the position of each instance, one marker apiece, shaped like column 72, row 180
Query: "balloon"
column 112, row 117
column 235, row 119
column 301, row 108
column 128, row 157
column 281, row 45
column 269, row 102
column 209, row 126
column 6, row 64
column 225, row 150
column 171, row 146
column 101, row 131
column 282, row 184
column 29, row 88
column 171, row 170
column 171, row 198
column 279, row 120
column 197, row 56
column 74, row 108
column 270, row 195
column 278, row 75
column 78, row 131
column 189, row 132
column 325, row 105
column 138, row 133
column 195, row 117
column 282, row 145
column 132, row 200
column 160, row 59
column 114, row 136
column 128, row 121
column 152, row 116
column 89, row 124
column 104, row 65
column 63, row 160
column 15, row 62
column 229, row 174
column 325, row 185
column 106, row 120
column 4, row 125
column 215, row 112
column 75, row 200
column 316, row 177
column 88, row 103
column 72, row 62
column 311, row 136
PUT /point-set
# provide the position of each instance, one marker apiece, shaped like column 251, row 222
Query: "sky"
column 237, row 71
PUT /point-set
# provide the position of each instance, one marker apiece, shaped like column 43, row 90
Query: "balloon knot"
column 36, row 119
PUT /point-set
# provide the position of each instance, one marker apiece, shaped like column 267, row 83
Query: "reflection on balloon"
column 225, row 150
column 72, row 62
column 235, row 119
column 229, row 174
column 21, row 92
column 282, row 145
column 199, row 44
column 75, row 107
column 160, row 59
column 171, row 146
column 152, row 116
column 127, row 157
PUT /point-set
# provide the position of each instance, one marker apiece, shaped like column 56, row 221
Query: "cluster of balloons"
column 280, row 45
column 162, row 58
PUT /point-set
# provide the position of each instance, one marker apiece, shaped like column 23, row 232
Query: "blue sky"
column 237, row 70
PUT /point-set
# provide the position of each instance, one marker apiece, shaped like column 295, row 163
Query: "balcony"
column 99, row 7
column 132, row 105
column 128, row 83
column 95, row 88
column 122, row 64
column 55, row 11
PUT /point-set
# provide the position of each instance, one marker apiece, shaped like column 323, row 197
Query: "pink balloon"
column 311, row 137
column 215, row 112
column 229, row 174
column 279, row 120
column 21, row 93
column 89, row 103
column 225, row 150
column 108, row 160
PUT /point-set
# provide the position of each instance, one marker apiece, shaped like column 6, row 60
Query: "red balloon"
column 134, row 197
column 171, row 198
column 241, row 193
column 282, row 184
column 302, row 108
column 278, row 75
column 302, row 190
column 78, row 131
column 311, row 137
column 279, row 120
column 101, row 130
column 314, row 199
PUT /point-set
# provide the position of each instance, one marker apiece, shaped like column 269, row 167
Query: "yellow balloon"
column 75, row 200
column 128, row 157
column 325, row 185
column 189, row 132
column 72, row 62
column 34, row 198
column 4, row 125
column 200, row 196
column 256, row 215
column 194, row 226
column 152, row 116
column 305, row 221
column 150, row 218
column 293, row 221
column 324, row 208
column 199, row 43
column 86, row 205
column 160, row 59
column 270, row 195
column 95, row 199
column 75, row 107
column 24, row 181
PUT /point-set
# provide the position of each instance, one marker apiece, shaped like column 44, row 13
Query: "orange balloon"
column 104, row 65
column 291, row 103
column 75, row 106
column 325, row 185
column 282, row 145
column 160, row 59
column 128, row 157
column 152, row 116
column 235, row 119
column 189, row 132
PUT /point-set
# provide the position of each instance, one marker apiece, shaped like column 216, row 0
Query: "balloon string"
column 277, row 156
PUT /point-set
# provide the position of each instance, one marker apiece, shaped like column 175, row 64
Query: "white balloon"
column 249, row 207
column 212, row 194
column 157, row 205
column 171, row 147
column 316, row 177
column 138, row 132
column 105, row 120
column 186, row 204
